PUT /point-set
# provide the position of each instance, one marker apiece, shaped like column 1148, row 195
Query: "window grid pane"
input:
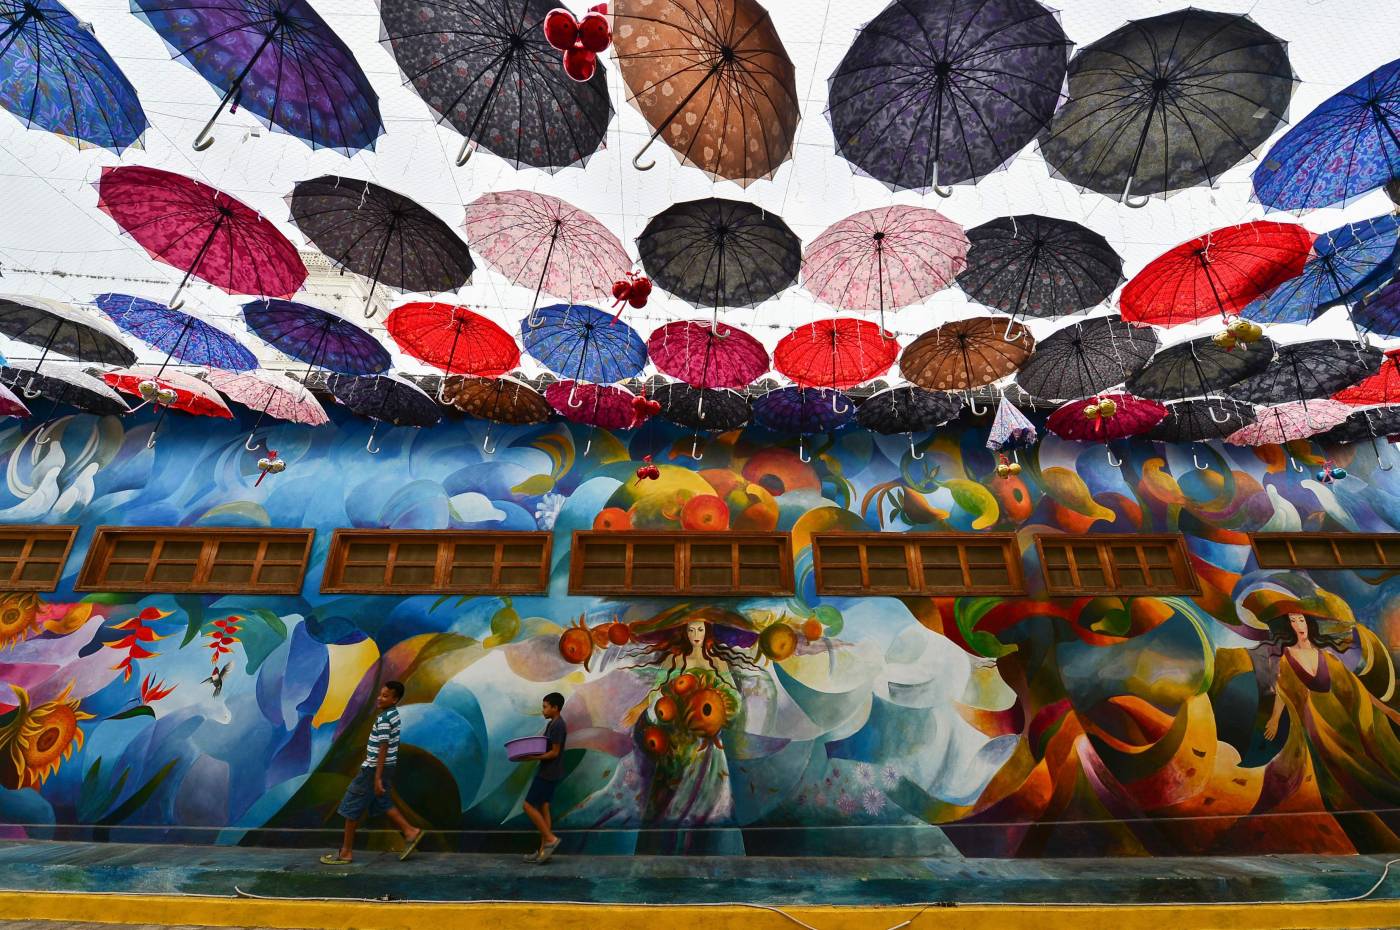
column 210, row 560
column 679, row 564
column 441, row 560
column 1324, row 551
column 945, row 565
column 1075, row 566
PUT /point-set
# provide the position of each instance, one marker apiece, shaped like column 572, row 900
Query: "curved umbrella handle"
column 636, row 159
column 972, row 406
column 486, row 444
column 30, row 391
column 695, row 452
column 802, row 450
column 151, row 440
column 836, row 408
column 42, row 437
column 913, row 454
column 1224, row 419
column 370, row 447
column 573, row 393
column 465, row 153
column 533, row 321
column 1131, row 202
column 1007, row 337
column 946, row 191
column 1113, row 460
column 1293, row 464
column 250, row 445
column 1196, row 460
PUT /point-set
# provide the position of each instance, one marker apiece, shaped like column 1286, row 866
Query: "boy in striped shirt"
column 369, row 793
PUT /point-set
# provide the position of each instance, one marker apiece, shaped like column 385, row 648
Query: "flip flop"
column 412, row 845
column 334, row 859
column 547, row 851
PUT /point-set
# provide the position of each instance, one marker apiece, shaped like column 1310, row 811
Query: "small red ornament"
column 594, row 32
column 632, row 291
column 580, row 41
column 271, row 465
column 560, row 29
column 580, row 63
column 648, row 472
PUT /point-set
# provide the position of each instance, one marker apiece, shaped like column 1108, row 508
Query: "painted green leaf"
column 140, row 710
column 273, row 621
column 830, row 618
column 535, row 485
column 143, row 794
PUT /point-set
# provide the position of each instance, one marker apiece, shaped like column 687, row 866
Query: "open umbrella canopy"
column 714, row 81
column 1348, row 263
column 907, row 410
column 1168, row 102
column 386, row 398
column 185, row 393
column 452, row 338
column 803, row 411
column 64, row 383
column 10, row 405
column 836, row 353
column 278, row 60
column 1219, row 272
column 1363, row 426
column 1202, row 420
column 200, row 231
column 885, row 258
column 1379, row 313
column 56, row 76
column 1011, row 429
column 270, row 394
column 939, row 92
column 1287, row 422
column 583, row 343
column 966, row 354
column 1348, row 145
column 500, row 400
column 179, row 335
column 320, row 339
column 485, row 68
column 720, row 253
column 1086, row 357
column 1306, row 370
column 602, row 405
column 1037, row 266
column 1383, row 387
column 59, row 329
column 1134, row 416
column 713, row 409
column 707, row 354
column 1199, row 367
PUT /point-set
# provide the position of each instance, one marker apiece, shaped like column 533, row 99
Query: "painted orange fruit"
column 654, row 741
column 612, row 518
column 619, row 634
column 706, row 713
column 778, row 641
column 812, row 629
column 666, row 709
column 684, row 684
column 576, row 644
column 705, row 512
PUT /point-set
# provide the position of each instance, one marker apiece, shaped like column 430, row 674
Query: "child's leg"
column 347, row 845
column 408, row 830
column 537, row 818
column 548, row 822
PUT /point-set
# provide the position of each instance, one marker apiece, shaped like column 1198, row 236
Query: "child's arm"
column 379, row 766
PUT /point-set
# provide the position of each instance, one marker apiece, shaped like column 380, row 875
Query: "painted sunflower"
column 19, row 614
column 36, row 740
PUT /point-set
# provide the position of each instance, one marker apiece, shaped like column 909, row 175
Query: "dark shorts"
column 360, row 799
column 541, row 791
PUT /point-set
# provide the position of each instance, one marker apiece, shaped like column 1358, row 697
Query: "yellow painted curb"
column 351, row 915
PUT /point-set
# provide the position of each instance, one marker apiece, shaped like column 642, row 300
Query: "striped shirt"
column 385, row 733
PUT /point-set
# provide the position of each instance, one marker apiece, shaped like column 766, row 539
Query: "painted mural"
column 807, row 725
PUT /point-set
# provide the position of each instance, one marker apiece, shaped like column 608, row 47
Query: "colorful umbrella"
column 1036, row 266
column 1219, row 272
column 10, row 405
column 1307, row 370
column 1199, row 367
column 168, row 390
column 907, row 410
column 55, row 75
column 1348, row 264
column 278, row 60
column 311, row 335
column 496, row 400
column 713, row 80
column 1167, row 103
column 707, row 354
column 803, row 411
column 1011, row 430
column 380, row 234
column 485, row 68
column 599, row 405
column 1287, row 422
column 937, row 92
column 1202, row 420
column 201, row 231
column 59, row 328
column 384, row 398
column 1347, row 146
column 889, row 257
column 65, row 383
column 720, row 253
column 1086, row 357
column 452, row 338
column 271, row 395
column 179, row 335
column 836, row 353
column 1379, row 313
column 584, row 343
column 540, row 241
column 967, row 354
column 1381, row 388
column 1131, row 416
column 1364, row 425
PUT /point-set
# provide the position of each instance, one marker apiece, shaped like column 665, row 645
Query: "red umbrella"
column 201, row 231
column 836, row 353
column 168, row 390
column 1105, row 418
column 452, row 338
column 706, row 354
column 1381, row 388
column 1219, row 272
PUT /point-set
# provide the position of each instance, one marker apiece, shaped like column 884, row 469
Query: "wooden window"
column 630, row 562
column 1076, row 565
column 199, row 560
column 447, row 561
column 936, row 564
column 32, row 557
column 1327, row 550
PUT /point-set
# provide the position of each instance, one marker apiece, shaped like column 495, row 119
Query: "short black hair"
column 554, row 699
column 396, row 687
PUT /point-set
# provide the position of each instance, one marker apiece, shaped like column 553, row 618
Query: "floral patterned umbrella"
column 1348, row 263
column 385, row 398
column 271, row 395
column 803, row 411
column 1383, row 387
column 1133, row 416
column 495, row 400
column 836, row 353
column 176, row 333
column 967, row 354
column 601, row 405
column 1286, row 422
column 452, row 338
column 64, row 383
column 168, row 390
column 707, row 354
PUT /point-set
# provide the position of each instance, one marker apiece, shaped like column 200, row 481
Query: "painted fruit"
column 666, row 709
column 576, row 644
column 580, row 63
column 594, row 33
column 705, row 512
column 684, row 684
column 619, row 634
column 612, row 518
column 654, row 741
column 706, row 713
column 778, row 641
column 560, row 29
column 812, row 629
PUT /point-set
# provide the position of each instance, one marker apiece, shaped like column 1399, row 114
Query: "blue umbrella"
column 54, row 74
column 277, row 59
column 583, row 343
column 1380, row 313
column 1348, row 263
column 1347, row 146
column 179, row 335
column 311, row 335
column 803, row 410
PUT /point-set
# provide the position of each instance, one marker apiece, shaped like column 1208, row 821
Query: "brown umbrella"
column 496, row 400
column 967, row 354
column 713, row 80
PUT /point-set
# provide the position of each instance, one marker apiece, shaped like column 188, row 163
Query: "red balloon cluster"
column 632, row 291
column 648, row 472
column 581, row 40
column 643, row 409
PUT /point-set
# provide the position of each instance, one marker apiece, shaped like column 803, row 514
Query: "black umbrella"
column 1199, row 367
column 1168, row 102
column 1364, row 425
column 485, row 68
column 1039, row 267
column 720, row 253
column 1309, row 370
column 934, row 92
column 715, row 409
column 56, row 327
column 1202, row 420
column 385, row 398
column 907, row 410
column 1087, row 357
column 385, row 236
column 65, row 384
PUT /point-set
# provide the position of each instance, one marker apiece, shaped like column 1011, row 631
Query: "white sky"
column 49, row 223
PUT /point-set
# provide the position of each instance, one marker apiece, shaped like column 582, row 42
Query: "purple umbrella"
column 601, row 405
column 277, row 59
column 803, row 411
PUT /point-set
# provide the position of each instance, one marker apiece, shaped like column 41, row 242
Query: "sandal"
column 412, row 845
column 334, row 859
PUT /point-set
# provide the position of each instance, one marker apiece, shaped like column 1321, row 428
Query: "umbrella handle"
column 1293, row 464
column 1113, row 460
column 915, row 455
column 42, row 437
column 1007, row 337
column 151, row 440
column 835, row 404
column 1131, row 202
column 486, row 445
column 1196, row 460
column 1221, row 419
column 636, row 159
column 440, row 398
column 944, row 192
column 465, row 153
column 588, row 446
column 249, row 444
column 370, row 447
column 972, row 406
column 573, row 393
column 695, row 452
column 1388, row 465
column 802, row 449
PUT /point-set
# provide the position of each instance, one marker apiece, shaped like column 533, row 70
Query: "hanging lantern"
column 271, row 465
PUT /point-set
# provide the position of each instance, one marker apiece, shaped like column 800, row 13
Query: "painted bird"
column 216, row 678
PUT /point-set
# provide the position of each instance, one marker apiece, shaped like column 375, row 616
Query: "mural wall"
column 814, row 725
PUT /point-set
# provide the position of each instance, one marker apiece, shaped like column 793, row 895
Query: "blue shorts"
column 540, row 793
column 360, row 799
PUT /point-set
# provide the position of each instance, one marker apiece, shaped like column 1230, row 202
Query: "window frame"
column 1189, row 585
column 29, row 533
column 106, row 538
column 914, row 564
column 1345, row 562
column 332, row 573
column 681, row 562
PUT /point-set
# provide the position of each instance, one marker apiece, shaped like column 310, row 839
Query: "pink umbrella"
column 1283, row 423
column 600, row 405
column 271, row 395
column 1105, row 418
column 885, row 258
column 535, row 239
column 707, row 354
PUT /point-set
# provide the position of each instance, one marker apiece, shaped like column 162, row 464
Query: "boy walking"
column 551, row 770
column 369, row 793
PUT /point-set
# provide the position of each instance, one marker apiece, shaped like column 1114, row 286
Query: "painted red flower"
column 137, row 632
column 154, row 691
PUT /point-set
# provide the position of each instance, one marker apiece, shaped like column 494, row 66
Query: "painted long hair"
column 670, row 646
column 1281, row 635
